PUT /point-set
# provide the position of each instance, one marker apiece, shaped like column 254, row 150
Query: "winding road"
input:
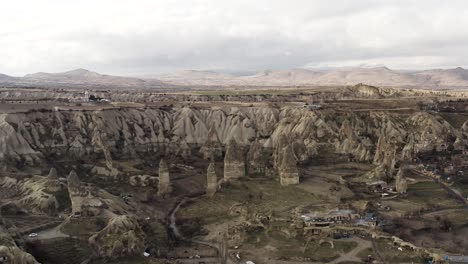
column 175, row 230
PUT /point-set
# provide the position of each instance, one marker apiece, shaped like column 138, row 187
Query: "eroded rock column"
column 77, row 192
column 256, row 158
column 401, row 184
column 234, row 164
column 211, row 179
column 288, row 172
column 164, row 178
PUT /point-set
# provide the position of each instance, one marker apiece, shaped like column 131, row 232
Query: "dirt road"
column 351, row 255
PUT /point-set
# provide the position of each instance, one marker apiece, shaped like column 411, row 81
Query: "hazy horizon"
column 246, row 73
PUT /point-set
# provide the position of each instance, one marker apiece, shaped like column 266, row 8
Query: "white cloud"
column 149, row 36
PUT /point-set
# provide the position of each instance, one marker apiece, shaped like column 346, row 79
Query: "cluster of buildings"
column 317, row 220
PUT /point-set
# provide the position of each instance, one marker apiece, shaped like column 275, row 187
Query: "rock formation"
column 25, row 138
column 282, row 142
column 14, row 145
column 407, row 152
column 234, row 164
column 378, row 173
column 300, row 150
column 385, row 155
column 256, row 159
column 164, row 178
column 212, row 146
column 211, row 179
column 10, row 253
column 53, row 184
column 401, row 184
column 77, row 192
column 100, row 146
column 381, row 149
column 122, row 236
column 37, row 194
column 288, row 172
column 53, row 174
column 389, row 161
column 14, row 255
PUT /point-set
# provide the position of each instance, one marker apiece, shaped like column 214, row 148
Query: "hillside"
column 82, row 78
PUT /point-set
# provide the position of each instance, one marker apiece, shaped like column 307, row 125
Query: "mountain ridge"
column 83, row 78
column 377, row 76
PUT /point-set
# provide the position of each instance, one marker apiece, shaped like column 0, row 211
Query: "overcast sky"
column 155, row 36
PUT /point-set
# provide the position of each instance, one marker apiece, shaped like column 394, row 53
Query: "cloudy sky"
column 155, row 36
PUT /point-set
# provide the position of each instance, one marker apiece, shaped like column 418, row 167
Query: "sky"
column 144, row 37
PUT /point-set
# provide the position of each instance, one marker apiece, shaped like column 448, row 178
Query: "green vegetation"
column 259, row 239
column 62, row 250
column 258, row 195
column 322, row 252
column 462, row 186
column 430, row 194
column 345, row 246
column 365, row 252
column 156, row 233
column 63, row 199
column 457, row 217
column 391, row 254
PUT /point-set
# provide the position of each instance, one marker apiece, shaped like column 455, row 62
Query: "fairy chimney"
column 211, row 179
column 234, row 164
column 164, row 179
column 288, row 172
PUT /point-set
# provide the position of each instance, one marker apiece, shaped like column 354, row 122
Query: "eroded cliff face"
column 378, row 137
column 121, row 237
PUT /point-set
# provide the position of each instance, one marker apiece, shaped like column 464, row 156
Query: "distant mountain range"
column 80, row 78
column 378, row 76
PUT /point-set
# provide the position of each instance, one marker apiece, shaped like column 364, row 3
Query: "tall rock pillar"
column 288, row 172
column 401, row 184
column 234, row 164
column 256, row 159
column 76, row 191
column 164, row 178
column 211, row 179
